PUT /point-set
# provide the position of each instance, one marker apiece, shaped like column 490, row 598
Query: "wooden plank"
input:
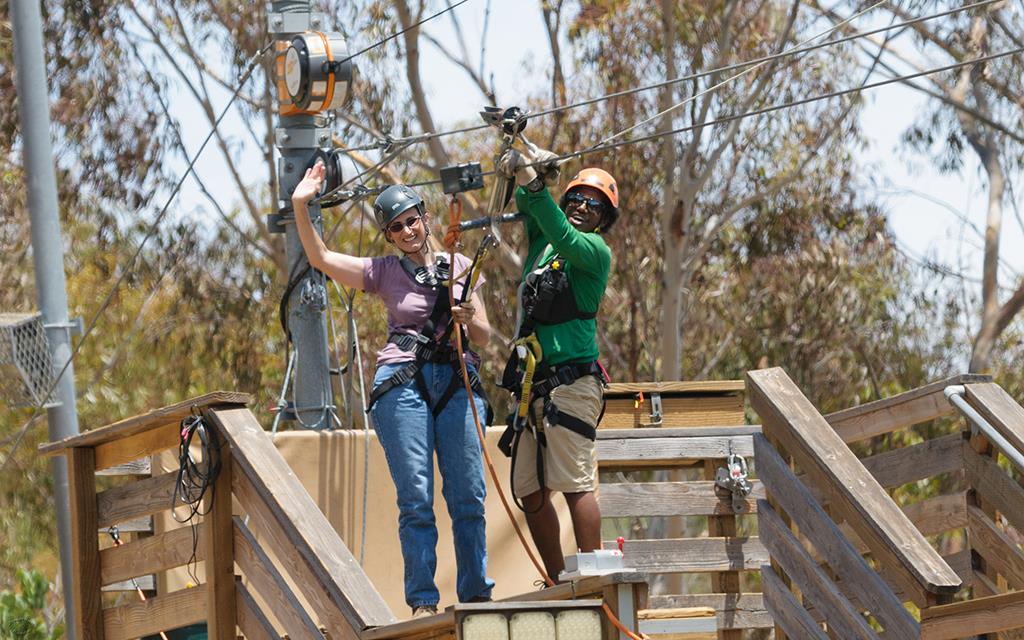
column 1000, row 409
column 146, row 583
column 133, row 447
column 162, row 613
column 301, row 519
column 219, row 535
column 919, row 461
column 939, row 514
column 136, row 499
column 585, row 587
column 134, row 525
column 684, row 432
column 897, row 412
column 139, row 467
column 644, row 499
column 268, row 582
column 174, row 413
column 253, row 623
column 85, row 546
column 273, row 537
column 786, row 611
column 734, row 610
column 812, row 521
column 992, row 483
column 420, row 628
column 826, row 459
column 723, row 524
column 693, row 555
column 992, row 543
column 150, row 555
column 630, row 452
column 687, row 411
column 698, row 386
column 809, row 577
column 973, row 617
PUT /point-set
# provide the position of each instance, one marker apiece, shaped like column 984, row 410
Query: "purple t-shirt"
column 408, row 302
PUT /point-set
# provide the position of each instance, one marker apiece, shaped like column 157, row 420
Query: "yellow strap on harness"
column 529, row 352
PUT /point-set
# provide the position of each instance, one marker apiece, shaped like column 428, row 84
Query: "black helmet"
column 393, row 201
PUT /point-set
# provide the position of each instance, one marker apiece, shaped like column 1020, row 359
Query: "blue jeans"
column 410, row 435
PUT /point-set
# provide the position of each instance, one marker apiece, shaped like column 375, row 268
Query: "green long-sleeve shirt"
column 588, row 262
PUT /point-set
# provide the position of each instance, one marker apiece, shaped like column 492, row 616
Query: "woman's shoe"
column 424, row 610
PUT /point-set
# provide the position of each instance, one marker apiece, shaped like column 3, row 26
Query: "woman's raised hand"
column 311, row 184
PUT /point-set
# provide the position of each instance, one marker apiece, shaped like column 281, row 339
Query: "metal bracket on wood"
column 656, row 414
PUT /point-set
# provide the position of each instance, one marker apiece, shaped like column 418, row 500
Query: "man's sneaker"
column 423, row 611
column 480, row 599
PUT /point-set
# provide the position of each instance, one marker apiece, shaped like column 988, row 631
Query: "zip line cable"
column 736, row 76
column 150, row 232
column 768, row 58
column 748, row 114
column 398, row 33
column 387, row 143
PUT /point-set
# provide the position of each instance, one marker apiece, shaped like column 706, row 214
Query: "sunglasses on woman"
column 579, row 198
column 398, row 225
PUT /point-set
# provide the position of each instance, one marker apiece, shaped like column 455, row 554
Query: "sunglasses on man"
column 578, row 198
column 398, row 225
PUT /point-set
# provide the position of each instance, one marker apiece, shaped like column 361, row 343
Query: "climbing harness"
column 733, row 478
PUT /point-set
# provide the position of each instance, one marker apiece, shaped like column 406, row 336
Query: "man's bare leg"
column 542, row 519
column 586, row 519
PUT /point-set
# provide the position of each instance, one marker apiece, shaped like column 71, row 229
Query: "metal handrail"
column 955, row 395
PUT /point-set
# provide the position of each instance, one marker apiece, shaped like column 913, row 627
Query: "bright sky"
column 926, row 210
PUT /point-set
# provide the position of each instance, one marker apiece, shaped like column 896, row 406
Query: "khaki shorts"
column 570, row 460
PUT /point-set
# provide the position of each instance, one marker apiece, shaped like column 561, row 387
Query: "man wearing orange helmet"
column 564, row 279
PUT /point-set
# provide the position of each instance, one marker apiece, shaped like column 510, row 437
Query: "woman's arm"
column 473, row 315
column 344, row 269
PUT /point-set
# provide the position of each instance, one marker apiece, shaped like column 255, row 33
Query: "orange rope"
column 451, row 238
column 455, row 209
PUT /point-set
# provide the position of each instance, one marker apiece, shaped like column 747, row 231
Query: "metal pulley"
column 733, row 478
column 511, row 121
column 316, row 71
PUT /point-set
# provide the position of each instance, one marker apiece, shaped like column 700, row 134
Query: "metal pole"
column 48, row 257
column 955, row 395
column 297, row 138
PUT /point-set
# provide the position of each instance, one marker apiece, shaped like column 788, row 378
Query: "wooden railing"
column 982, row 505
column 726, row 554
column 296, row 575
column 267, row 562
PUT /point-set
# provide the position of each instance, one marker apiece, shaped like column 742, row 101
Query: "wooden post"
column 85, row 544
column 727, row 582
column 779, row 633
column 982, row 446
column 218, row 531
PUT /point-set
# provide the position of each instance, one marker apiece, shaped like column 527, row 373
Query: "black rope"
column 194, row 479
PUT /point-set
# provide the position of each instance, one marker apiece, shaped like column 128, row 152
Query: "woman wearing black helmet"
column 419, row 404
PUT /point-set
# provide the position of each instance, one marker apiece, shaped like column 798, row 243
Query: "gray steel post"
column 298, row 137
column 48, row 256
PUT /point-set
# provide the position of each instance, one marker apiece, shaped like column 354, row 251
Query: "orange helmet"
column 600, row 180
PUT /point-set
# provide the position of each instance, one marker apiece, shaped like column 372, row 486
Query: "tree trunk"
column 412, row 72
column 981, row 357
column 671, row 215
